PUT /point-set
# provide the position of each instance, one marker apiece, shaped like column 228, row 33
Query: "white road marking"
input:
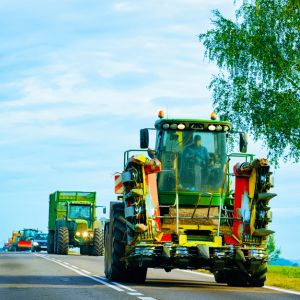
column 134, row 294
column 281, row 290
column 85, row 271
column 74, row 267
column 197, row 273
column 266, row 286
column 85, row 275
column 124, row 286
column 121, row 285
column 113, row 285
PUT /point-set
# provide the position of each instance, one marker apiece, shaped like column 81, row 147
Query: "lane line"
column 197, row 273
column 134, row 294
column 74, row 267
column 85, row 275
column 118, row 284
column 85, row 271
column 265, row 287
column 281, row 290
column 113, row 285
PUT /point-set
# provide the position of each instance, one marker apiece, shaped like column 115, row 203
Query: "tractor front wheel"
column 97, row 248
column 62, row 240
column 50, row 243
column 115, row 242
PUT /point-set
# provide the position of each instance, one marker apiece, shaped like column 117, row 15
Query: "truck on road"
column 190, row 204
column 72, row 223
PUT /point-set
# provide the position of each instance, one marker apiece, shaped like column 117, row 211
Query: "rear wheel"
column 220, row 277
column 259, row 277
column 50, row 243
column 97, row 248
column 115, row 242
column 254, row 279
column 62, row 240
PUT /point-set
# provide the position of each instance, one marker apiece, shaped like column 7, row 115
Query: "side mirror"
column 144, row 138
column 243, row 142
column 104, row 210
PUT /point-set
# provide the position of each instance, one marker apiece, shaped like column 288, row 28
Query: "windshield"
column 30, row 232
column 80, row 211
column 196, row 159
column 42, row 236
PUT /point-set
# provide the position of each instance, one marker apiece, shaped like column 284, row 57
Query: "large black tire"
column 239, row 278
column 220, row 277
column 97, row 247
column 50, row 243
column 115, row 242
column 259, row 277
column 62, row 240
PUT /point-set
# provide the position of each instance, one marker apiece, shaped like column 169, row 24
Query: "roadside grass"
column 74, row 251
column 284, row 277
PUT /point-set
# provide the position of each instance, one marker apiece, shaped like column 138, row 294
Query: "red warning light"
column 161, row 114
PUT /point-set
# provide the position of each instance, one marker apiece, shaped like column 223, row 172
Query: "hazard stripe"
column 118, row 184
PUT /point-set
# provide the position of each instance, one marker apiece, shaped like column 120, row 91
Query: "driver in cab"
column 196, row 162
column 196, row 153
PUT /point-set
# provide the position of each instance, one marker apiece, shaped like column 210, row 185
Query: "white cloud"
column 124, row 7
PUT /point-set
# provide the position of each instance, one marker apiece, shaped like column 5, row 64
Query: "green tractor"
column 190, row 205
column 73, row 223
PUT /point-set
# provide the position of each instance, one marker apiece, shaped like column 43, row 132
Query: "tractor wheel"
column 97, row 247
column 115, row 242
column 256, row 279
column 62, row 240
column 220, row 276
column 50, row 244
column 259, row 277
column 102, row 242
column 237, row 278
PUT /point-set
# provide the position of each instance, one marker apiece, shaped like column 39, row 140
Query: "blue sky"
column 79, row 78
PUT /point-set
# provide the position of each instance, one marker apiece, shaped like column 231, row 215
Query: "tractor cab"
column 193, row 157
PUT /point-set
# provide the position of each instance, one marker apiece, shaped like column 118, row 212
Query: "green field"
column 280, row 276
column 284, row 277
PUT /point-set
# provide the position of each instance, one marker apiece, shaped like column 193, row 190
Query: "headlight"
column 211, row 127
column 77, row 233
column 35, row 243
column 84, row 234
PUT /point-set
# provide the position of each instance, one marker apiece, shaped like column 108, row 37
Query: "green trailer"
column 73, row 223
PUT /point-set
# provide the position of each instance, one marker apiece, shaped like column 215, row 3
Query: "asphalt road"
column 28, row 276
